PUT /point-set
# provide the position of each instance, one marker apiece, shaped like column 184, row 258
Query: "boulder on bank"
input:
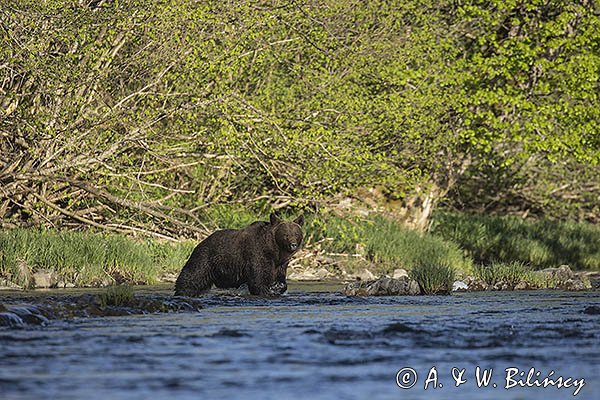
column 560, row 278
column 365, row 275
column 470, row 284
column 44, row 279
column 561, row 274
column 523, row 286
column 563, row 278
column 5, row 284
column 460, row 286
column 383, row 286
column 399, row 273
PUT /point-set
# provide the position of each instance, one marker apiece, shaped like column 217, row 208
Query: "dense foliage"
column 140, row 115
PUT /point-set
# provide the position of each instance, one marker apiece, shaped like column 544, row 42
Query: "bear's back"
column 235, row 243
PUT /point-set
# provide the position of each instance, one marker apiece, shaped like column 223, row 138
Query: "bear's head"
column 288, row 235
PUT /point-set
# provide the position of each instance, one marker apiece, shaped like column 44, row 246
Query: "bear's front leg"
column 280, row 285
column 257, row 288
column 261, row 282
column 277, row 289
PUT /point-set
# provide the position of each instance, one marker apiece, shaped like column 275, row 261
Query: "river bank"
column 502, row 252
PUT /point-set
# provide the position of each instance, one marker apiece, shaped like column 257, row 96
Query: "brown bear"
column 257, row 255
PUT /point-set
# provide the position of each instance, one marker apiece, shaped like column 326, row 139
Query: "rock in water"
column 10, row 319
column 592, row 310
column 399, row 273
column 460, row 286
column 383, row 286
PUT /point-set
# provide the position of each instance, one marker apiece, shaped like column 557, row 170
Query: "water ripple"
column 305, row 345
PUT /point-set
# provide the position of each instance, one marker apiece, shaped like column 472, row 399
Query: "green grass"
column 86, row 258
column 96, row 259
column 539, row 244
column 433, row 278
column 385, row 243
column 510, row 273
column 504, row 245
column 120, row 295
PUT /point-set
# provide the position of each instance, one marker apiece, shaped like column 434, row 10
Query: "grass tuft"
column 385, row 243
column 509, row 273
column 120, row 295
column 433, row 278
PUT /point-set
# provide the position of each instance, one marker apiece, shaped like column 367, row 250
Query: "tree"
column 533, row 105
column 141, row 115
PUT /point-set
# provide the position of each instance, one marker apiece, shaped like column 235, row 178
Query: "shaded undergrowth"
column 538, row 244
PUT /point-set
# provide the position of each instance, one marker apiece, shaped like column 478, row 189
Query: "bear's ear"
column 274, row 219
column 300, row 220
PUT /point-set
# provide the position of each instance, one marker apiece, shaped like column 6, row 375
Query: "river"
column 316, row 343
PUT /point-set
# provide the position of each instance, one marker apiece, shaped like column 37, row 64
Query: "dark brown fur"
column 257, row 255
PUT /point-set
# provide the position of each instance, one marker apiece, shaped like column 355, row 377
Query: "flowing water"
column 315, row 343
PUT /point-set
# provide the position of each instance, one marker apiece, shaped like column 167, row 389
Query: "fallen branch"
column 135, row 205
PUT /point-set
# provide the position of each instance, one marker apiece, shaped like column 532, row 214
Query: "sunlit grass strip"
column 387, row 243
column 97, row 259
column 86, row 258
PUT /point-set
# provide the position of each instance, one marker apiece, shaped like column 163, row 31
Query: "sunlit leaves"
column 301, row 99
